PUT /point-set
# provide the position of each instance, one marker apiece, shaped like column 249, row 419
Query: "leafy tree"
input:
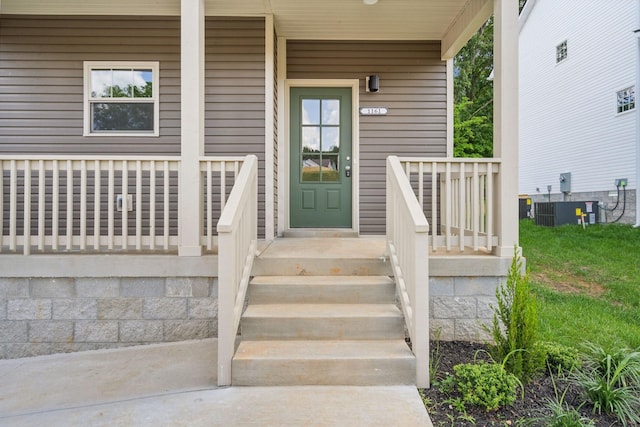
column 473, row 96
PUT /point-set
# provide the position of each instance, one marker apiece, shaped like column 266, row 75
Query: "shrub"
column 515, row 325
column 558, row 356
column 485, row 384
column 611, row 381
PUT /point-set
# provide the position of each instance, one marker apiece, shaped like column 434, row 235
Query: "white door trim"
column 283, row 152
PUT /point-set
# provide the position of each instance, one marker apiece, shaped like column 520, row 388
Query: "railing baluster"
column 489, row 205
column 434, row 205
column 475, row 206
column 13, row 206
column 152, row 205
column 209, row 203
column 55, row 207
column 138, row 204
column 421, row 184
column 166, row 206
column 448, row 205
column 97, row 186
column 41, row 204
column 223, row 185
column 110, row 201
column 26, row 235
column 124, row 232
column 83, row 205
column 69, row 205
column 461, row 207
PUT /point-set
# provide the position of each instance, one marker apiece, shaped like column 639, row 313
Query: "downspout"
column 637, row 138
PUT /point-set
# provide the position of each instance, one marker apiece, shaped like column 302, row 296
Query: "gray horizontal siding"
column 234, row 94
column 41, row 84
column 412, row 86
column 41, row 80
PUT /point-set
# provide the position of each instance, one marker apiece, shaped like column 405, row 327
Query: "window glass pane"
column 310, row 168
column 122, row 87
column 122, row 117
column 310, row 139
column 330, row 112
column 330, row 169
column 310, row 111
column 101, row 83
column 330, row 139
column 142, row 83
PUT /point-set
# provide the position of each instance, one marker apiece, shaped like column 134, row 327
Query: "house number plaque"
column 374, row 111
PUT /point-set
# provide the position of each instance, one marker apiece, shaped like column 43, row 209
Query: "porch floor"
column 174, row 384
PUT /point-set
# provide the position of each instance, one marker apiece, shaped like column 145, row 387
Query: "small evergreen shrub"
column 558, row 356
column 515, row 325
column 484, row 384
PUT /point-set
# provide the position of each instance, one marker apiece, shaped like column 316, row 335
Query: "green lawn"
column 587, row 282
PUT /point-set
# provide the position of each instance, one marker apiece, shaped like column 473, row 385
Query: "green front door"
column 320, row 157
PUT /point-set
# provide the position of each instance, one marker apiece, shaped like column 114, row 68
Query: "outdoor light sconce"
column 372, row 83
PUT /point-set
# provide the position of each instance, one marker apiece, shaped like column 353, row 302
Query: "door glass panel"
column 311, row 168
column 310, row 111
column 330, row 139
column 310, row 139
column 320, row 143
column 330, row 169
column 330, row 112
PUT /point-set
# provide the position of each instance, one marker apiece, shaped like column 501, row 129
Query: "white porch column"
column 192, row 125
column 505, row 120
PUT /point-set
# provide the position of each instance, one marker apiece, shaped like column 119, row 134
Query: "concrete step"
column 302, row 266
column 322, row 321
column 324, row 256
column 331, row 362
column 322, row 290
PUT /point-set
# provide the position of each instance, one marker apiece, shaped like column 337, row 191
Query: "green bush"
column 558, row 356
column 515, row 325
column 611, row 381
column 484, row 384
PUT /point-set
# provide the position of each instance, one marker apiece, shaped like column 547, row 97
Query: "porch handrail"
column 462, row 203
column 237, row 235
column 407, row 242
column 62, row 203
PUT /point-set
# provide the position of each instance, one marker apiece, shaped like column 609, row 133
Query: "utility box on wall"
column 560, row 213
column 565, row 182
column 524, row 207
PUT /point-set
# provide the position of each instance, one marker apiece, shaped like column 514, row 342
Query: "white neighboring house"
column 578, row 75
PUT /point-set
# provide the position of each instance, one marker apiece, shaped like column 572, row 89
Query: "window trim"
column 154, row 66
column 566, row 53
column 630, row 110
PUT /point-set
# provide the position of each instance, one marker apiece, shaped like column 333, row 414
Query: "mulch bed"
column 532, row 407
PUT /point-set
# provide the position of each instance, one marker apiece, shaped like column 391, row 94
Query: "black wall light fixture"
column 372, row 83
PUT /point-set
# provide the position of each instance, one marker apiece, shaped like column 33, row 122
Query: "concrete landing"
column 174, row 385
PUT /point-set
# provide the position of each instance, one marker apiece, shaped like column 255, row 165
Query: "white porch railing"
column 103, row 203
column 458, row 197
column 407, row 241
column 238, row 234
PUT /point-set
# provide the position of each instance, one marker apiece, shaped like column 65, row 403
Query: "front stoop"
column 323, row 329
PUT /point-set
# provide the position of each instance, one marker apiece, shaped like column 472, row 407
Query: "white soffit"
column 294, row 19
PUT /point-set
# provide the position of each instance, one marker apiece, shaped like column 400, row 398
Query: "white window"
column 121, row 98
column 626, row 99
column 561, row 52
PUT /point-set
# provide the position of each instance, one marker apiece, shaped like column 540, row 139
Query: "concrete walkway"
column 175, row 385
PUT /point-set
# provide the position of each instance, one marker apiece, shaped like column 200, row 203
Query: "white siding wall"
column 568, row 120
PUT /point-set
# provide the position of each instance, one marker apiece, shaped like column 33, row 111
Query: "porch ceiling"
column 296, row 19
column 352, row 19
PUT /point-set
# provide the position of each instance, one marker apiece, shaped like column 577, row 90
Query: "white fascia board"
column 470, row 19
